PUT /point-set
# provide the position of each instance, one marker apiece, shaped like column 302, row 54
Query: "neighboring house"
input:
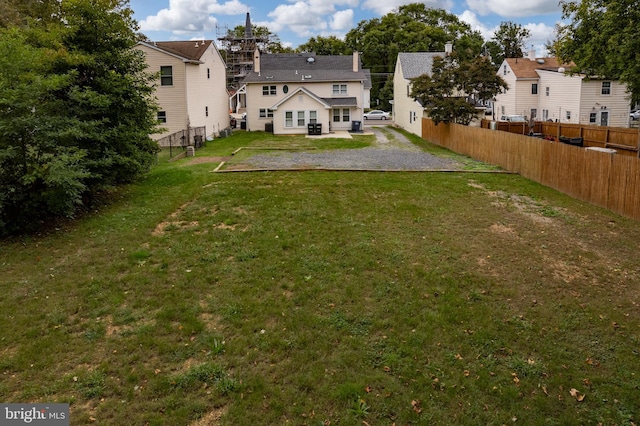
column 540, row 88
column 287, row 92
column 407, row 112
column 191, row 90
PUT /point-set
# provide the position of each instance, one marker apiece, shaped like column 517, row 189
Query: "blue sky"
column 295, row 21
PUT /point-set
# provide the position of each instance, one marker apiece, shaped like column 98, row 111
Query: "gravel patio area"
column 397, row 153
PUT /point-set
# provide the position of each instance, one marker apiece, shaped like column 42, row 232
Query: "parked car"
column 514, row 118
column 635, row 115
column 376, row 114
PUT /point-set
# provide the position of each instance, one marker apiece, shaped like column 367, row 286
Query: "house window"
column 545, row 114
column 346, row 115
column 568, row 115
column 208, row 73
column 546, row 90
column 166, row 76
column 592, row 117
column 339, row 89
column 606, row 88
column 266, row 113
column 298, row 118
column 162, row 116
column 534, row 113
column 534, row 89
column 504, row 70
column 206, row 111
column 336, row 115
column 313, row 117
column 268, row 90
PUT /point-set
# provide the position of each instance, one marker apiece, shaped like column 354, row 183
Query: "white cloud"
column 308, row 18
column 476, row 24
column 514, row 9
column 382, row 7
column 189, row 16
column 300, row 18
column 342, row 20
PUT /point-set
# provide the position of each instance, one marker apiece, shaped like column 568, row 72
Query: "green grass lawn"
column 322, row 298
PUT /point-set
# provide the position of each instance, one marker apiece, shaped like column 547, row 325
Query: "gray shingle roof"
column 417, row 63
column 290, row 67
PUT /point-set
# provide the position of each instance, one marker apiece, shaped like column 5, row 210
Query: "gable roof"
column 298, row 91
column 415, row 64
column 325, row 102
column 526, row 68
column 188, row 51
column 291, row 67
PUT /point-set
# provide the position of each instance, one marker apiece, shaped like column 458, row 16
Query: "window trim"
column 534, row 88
column 162, row 116
column 166, row 76
column 340, row 89
column 269, row 90
column 265, row 113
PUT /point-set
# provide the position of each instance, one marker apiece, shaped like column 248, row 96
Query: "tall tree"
column 454, row 87
column 76, row 111
column 331, row 45
column 511, row 39
column 602, row 39
column 410, row 28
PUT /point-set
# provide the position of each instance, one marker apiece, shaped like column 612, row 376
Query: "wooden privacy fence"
column 625, row 141
column 607, row 180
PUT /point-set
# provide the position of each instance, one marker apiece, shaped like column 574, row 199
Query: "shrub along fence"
column 608, row 180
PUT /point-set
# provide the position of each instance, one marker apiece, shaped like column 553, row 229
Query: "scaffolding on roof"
column 239, row 52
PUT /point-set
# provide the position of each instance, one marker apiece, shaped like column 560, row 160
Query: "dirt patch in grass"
column 212, row 418
column 204, row 160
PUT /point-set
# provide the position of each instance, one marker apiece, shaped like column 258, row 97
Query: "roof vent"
column 196, row 44
column 540, row 61
column 310, row 60
column 561, row 69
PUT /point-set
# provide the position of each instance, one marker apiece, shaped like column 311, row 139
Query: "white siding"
column 506, row 102
column 616, row 104
column 257, row 101
column 564, row 95
column 207, row 91
column 172, row 99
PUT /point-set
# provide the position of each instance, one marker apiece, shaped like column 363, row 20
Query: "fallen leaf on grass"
column 416, row 406
column 576, row 394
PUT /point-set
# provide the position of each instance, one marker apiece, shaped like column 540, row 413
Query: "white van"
column 514, row 118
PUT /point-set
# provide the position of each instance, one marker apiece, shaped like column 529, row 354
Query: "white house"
column 191, row 89
column 287, row 92
column 407, row 112
column 543, row 89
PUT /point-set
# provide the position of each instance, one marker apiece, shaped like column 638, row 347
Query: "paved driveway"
column 393, row 152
